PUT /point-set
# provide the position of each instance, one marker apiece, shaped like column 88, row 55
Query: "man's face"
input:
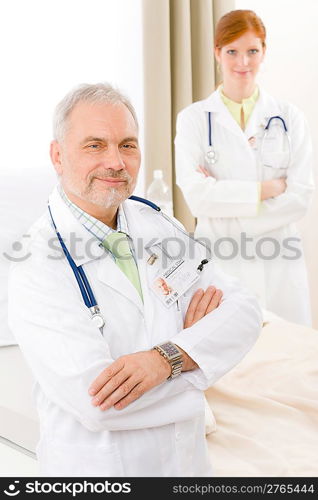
column 99, row 158
column 163, row 286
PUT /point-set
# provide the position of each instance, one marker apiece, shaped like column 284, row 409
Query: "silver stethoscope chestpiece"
column 98, row 320
column 96, row 317
column 211, row 155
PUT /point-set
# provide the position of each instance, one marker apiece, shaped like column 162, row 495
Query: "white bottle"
column 159, row 193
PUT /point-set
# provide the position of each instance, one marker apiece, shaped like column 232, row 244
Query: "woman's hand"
column 273, row 188
column 204, row 171
column 269, row 189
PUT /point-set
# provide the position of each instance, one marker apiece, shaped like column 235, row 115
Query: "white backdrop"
column 50, row 46
column 291, row 73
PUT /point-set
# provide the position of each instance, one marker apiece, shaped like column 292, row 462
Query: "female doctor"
column 243, row 163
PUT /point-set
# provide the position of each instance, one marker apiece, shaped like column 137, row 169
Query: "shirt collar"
column 235, row 108
column 246, row 103
column 96, row 227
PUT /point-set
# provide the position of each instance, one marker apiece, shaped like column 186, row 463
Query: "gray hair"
column 93, row 93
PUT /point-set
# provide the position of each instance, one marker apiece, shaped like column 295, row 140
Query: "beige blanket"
column 266, row 408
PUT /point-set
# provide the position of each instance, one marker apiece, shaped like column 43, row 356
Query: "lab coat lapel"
column 110, row 275
column 145, row 236
column 265, row 107
column 222, row 116
column 85, row 248
column 81, row 244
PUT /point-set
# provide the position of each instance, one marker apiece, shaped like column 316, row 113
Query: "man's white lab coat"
column 163, row 432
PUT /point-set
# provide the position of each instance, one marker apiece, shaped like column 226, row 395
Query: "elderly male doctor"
column 109, row 403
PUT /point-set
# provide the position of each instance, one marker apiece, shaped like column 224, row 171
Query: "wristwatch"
column 173, row 355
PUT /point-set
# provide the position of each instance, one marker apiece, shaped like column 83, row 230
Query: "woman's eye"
column 253, row 51
column 231, row 52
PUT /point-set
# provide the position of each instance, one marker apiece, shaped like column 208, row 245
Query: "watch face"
column 170, row 349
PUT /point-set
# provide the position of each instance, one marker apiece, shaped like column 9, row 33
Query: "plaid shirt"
column 97, row 228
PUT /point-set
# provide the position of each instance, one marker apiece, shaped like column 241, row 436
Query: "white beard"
column 112, row 197
column 109, row 197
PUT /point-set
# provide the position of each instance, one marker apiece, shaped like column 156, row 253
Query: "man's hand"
column 200, row 305
column 128, row 378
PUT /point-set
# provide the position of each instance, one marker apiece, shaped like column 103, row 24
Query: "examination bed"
column 266, row 408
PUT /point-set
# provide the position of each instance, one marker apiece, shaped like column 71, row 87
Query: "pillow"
column 23, row 198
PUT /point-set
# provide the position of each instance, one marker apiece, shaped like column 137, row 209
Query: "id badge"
column 172, row 282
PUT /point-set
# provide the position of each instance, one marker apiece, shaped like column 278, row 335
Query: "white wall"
column 291, row 73
column 47, row 47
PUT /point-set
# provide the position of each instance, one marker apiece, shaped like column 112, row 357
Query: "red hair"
column 235, row 24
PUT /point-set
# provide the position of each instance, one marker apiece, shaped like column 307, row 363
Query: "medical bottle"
column 159, row 193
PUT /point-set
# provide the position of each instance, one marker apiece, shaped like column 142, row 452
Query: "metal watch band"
column 173, row 355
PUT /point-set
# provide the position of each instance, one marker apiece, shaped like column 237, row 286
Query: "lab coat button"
column 178, row 436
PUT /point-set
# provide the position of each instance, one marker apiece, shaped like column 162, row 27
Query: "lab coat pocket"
column 275, row 160
column 64, row 459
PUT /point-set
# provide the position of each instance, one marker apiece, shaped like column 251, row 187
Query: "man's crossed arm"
column 130, row 376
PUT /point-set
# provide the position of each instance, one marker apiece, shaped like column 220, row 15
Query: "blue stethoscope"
column 81, row 278
column 211, row 155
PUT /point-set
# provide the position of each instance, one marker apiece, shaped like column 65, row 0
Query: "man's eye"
column 128, row 146
column 93, row 146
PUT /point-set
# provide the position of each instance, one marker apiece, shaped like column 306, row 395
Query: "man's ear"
column 56, row 156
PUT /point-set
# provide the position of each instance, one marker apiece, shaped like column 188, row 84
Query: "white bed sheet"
column 18, row 417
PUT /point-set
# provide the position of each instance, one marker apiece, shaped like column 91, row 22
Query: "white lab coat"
column 163, row 432
column 227, row 205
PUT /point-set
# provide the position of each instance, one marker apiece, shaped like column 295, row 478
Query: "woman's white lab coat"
column 255, row 241
column 163, row 432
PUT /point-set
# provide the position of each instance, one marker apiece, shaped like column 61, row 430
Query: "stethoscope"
column 211, row 155
column 266, row 130
column 81, row 278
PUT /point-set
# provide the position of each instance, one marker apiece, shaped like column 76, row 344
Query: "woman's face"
column 240, row 60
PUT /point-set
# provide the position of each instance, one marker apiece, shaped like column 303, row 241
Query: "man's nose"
column 113, row 159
